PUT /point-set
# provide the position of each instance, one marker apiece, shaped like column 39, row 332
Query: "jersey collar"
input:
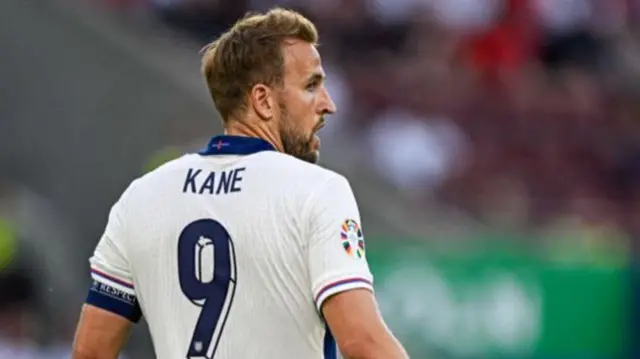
column 235, row 145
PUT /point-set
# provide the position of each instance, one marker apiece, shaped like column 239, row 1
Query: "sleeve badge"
column 352, row 239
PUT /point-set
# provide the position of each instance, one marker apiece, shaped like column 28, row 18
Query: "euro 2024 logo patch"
column 352, row 239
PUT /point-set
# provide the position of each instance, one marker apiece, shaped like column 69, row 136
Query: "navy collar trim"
column 235, row 145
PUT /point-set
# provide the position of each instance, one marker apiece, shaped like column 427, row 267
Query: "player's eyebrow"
column 317, row 77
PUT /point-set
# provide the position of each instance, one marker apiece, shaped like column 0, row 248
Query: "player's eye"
column 312, row 86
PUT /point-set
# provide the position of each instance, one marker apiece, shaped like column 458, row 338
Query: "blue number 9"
column 207, row 282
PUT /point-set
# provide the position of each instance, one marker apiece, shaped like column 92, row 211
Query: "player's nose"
column 327, row 106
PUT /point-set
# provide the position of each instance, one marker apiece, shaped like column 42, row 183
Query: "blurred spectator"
column 415, row 154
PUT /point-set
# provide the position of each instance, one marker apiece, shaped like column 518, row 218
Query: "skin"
column 100, row 334
column 288, row 117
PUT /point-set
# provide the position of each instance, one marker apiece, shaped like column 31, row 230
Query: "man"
column 247, row 249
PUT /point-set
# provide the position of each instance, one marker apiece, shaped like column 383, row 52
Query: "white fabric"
column 285, row 219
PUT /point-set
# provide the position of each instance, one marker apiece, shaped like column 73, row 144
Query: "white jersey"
column 230, row 253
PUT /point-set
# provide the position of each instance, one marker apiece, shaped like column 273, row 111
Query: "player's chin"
column 314, row 150
column 312, row 156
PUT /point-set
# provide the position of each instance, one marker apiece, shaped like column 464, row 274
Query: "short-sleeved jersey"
column 231, row 252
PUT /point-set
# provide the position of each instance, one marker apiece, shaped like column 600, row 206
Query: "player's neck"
column 236, row 128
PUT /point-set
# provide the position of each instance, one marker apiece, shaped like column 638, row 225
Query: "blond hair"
column 250, row 53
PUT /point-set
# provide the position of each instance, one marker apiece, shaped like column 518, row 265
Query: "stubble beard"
column 294, row 142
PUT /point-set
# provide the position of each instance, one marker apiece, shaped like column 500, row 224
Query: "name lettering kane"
column 198, row 181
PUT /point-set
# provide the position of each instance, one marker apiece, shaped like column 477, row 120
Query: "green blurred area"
column 491, row 297
column 8, row 243
column 161, row 157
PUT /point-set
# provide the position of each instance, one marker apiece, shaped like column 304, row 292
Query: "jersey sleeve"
column 336, row 251
column 112, row 286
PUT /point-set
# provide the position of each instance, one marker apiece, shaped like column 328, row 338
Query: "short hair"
column 251, row 53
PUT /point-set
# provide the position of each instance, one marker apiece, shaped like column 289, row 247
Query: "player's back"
column 231, row 253
column 218, row 260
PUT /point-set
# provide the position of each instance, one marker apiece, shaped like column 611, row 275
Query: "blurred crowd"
column 520, row 112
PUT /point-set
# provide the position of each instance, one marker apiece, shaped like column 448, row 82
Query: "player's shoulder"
column 289, row 171
column 279, row 172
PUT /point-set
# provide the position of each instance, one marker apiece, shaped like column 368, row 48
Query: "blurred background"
column 493, row 145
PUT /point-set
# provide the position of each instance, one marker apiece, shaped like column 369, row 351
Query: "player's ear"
column 263, row 101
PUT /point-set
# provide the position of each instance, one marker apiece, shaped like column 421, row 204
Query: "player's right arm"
column 100, row 334
column 111, row 306
column 341, row 280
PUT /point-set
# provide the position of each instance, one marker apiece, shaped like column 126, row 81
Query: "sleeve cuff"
column 111, row 280
column 338, row 286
